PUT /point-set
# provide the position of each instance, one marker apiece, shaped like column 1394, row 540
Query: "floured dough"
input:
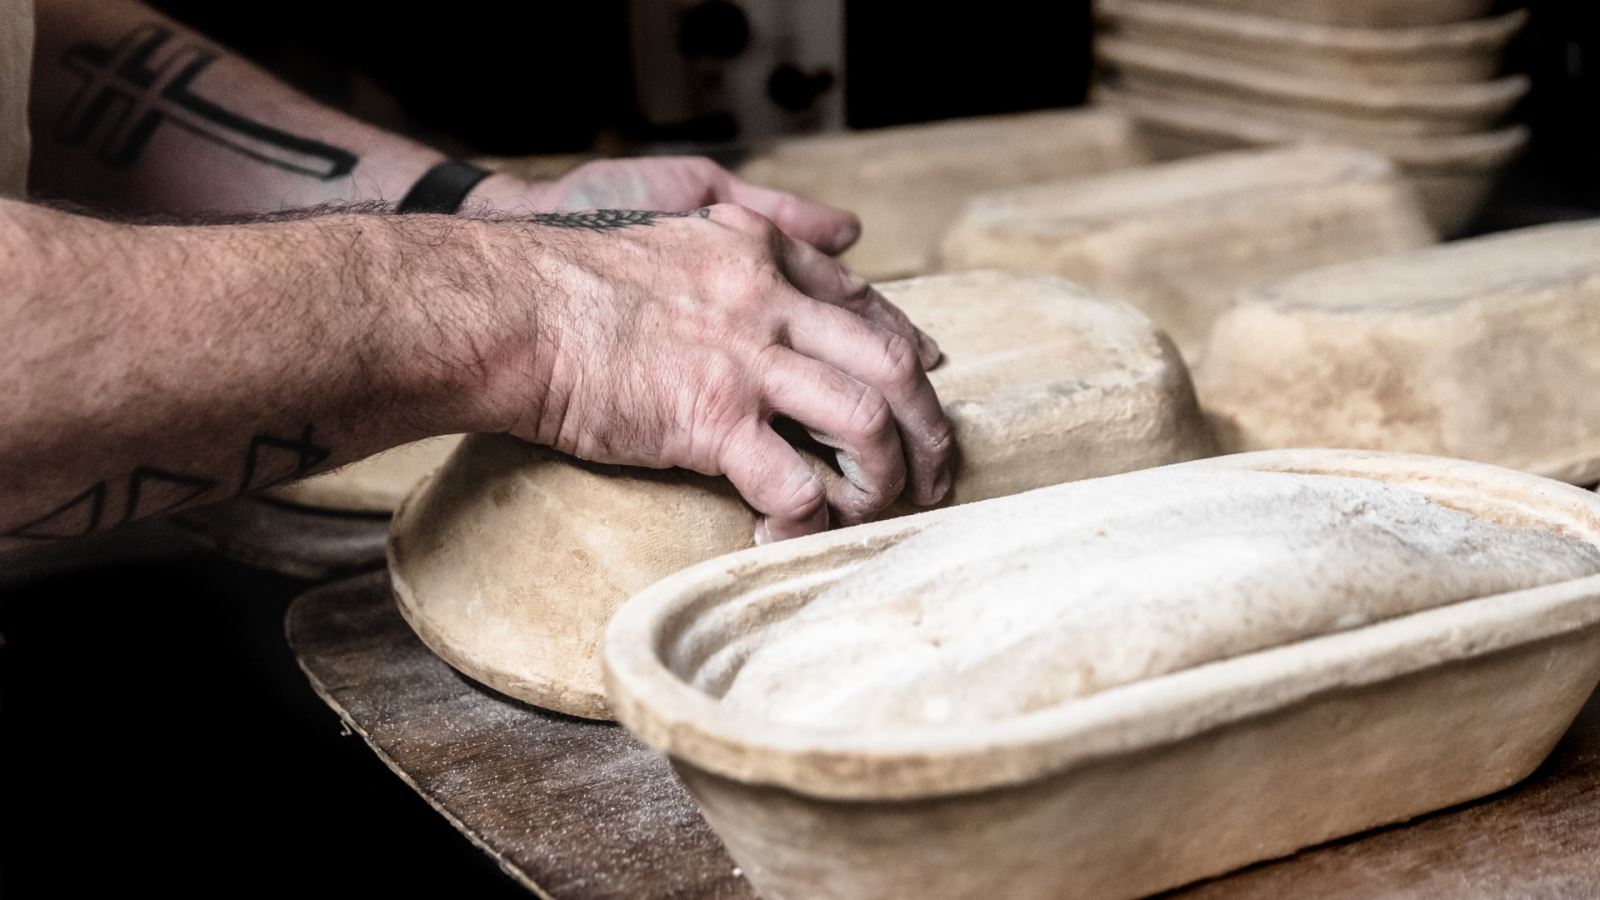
column 1022, row 605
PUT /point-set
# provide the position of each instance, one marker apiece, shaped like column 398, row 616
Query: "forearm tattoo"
column 611, row 219
column 149, row 490
column 146, row 81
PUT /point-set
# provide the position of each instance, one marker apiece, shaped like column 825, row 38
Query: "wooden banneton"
column 1142, row 786
column 1179, row 239
column 1479, row 349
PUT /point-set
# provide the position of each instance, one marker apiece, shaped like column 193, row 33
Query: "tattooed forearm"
column 611, row 219
column 149, row 490
column 128, row 92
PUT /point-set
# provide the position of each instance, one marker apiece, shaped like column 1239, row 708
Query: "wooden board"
column 576, row 809
column 569, row 807
column 298, row 541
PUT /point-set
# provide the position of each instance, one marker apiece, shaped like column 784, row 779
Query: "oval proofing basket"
column 1138, row 788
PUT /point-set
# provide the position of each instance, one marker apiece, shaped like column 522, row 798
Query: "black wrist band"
column 443, row 188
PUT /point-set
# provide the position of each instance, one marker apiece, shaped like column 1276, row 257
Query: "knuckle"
column 720, row 370
column 740, row 288
column 722, row 398
column 856, row 290
column 759, row 278
column 768, row 356
column 900, row 363
column 742, row 218
column 803, row 495
column 871, row 414
column 704, row 165
column 785, row 206
column 754, row 290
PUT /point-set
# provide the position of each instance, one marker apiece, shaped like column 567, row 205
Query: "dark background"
column 508, row 78
column 155, row 733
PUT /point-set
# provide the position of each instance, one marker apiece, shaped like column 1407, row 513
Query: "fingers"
column 850, row 417
column 823, row 278
column 820, row 226
column 885, row 361
column 776, row 482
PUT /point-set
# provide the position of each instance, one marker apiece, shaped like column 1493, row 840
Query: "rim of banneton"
column 1100, row 124
column 1362, row 13
column 334, row 497
column 548, row 694
column 671, row 715
column 1446, row 152
column 1484, row 34
column 1472, row 99
column 336, row 491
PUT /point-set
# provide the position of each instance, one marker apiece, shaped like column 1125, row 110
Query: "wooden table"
column 576, row 809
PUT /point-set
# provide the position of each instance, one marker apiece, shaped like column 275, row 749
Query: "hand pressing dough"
column 908, row 183
column 511, row 560
column 1481, row 349
column 1180, row 239
column 1020, row 606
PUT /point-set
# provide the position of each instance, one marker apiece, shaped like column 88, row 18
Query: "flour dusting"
column 1028, row 602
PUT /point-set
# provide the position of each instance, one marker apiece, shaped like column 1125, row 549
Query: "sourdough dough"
column 1017, row 606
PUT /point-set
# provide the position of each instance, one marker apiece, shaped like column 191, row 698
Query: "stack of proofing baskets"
column 1416, row 80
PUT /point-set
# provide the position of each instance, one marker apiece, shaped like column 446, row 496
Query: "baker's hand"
column 676, row 340
column 673, row 184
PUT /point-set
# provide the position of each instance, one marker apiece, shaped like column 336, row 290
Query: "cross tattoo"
column 128, row 93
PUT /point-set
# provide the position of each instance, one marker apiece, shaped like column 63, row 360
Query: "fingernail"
column 761, row 533
column 941, row 487
column 847, row 236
